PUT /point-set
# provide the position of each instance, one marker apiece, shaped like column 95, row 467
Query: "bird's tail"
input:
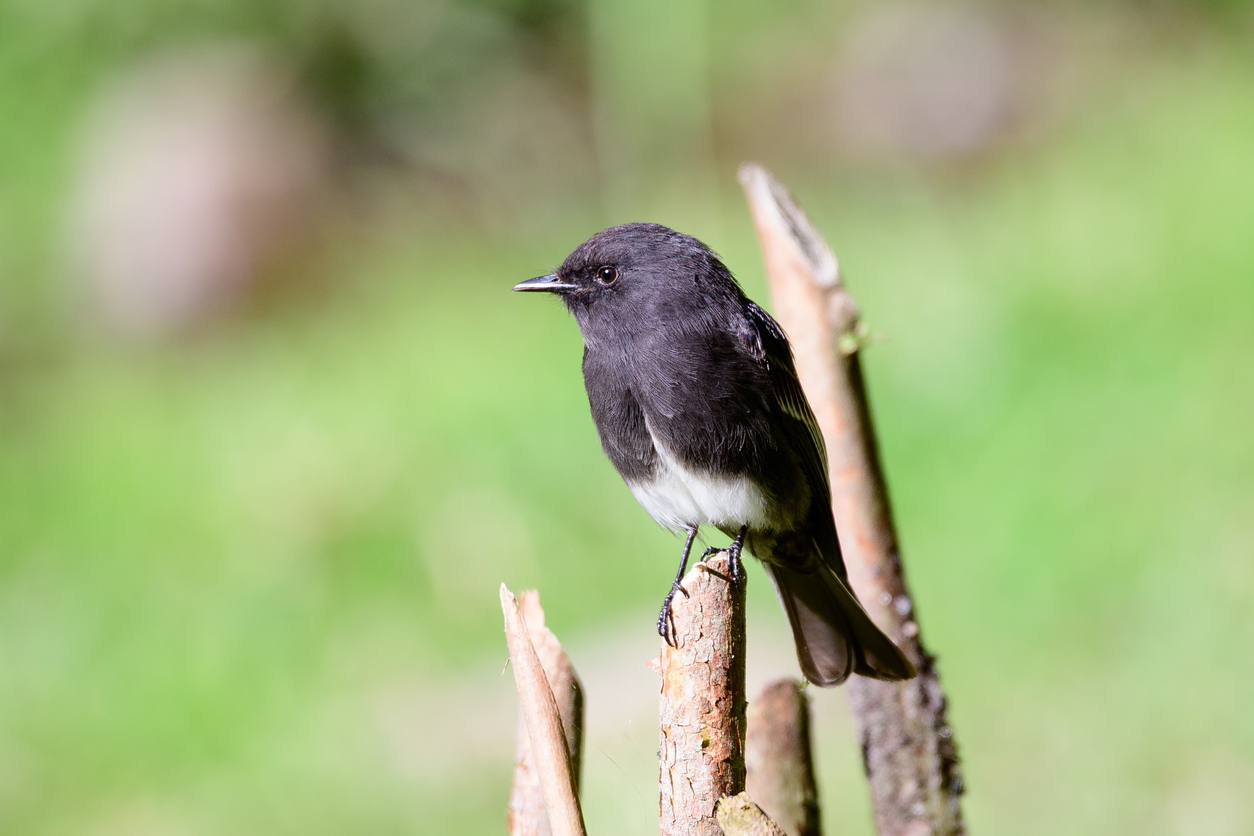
column 834, row 635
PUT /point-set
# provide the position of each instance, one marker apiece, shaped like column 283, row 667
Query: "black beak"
column 548, row 284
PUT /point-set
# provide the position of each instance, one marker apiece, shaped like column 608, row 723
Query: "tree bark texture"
column 908, row 746
column 551, row 756
column 527, row 814
column 739, row 816
column 703, row 701
column 779, row 771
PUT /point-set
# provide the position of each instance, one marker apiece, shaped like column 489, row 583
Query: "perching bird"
column 697, row 403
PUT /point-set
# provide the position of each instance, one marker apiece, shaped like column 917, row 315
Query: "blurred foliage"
column 227, row 558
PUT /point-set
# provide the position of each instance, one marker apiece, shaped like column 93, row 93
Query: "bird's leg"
column 733, row 557
column 665, row 621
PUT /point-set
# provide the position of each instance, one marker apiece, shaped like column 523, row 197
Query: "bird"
column 697, row 404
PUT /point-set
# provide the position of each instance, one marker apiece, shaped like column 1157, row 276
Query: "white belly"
column 678, row 498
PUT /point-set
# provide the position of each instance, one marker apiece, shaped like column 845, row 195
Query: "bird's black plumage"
column 697, row 404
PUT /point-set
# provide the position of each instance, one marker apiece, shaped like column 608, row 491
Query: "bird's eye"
column 607, row 275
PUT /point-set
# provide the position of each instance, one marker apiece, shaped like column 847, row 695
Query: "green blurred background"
column 273, row 429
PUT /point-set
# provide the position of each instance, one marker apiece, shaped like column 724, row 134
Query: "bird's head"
column 635, row 274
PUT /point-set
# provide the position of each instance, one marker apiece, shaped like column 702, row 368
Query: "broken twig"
column 527, row 813
column 910, row 755
column 544, row 725
column 739, row 816
column 779, row 772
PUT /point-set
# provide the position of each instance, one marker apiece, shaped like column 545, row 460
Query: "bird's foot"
column 734, row 564
column 666, row 618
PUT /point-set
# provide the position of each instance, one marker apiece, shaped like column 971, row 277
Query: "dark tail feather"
column 834, row 635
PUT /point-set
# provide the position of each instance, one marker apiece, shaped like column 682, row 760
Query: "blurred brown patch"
column 199, row 168
column 939, row 81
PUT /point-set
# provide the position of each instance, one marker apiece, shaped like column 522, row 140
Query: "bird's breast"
column 678, row 496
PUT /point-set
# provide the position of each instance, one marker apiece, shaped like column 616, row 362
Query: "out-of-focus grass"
column 218, row 560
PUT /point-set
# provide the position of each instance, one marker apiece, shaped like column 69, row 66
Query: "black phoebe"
column 696, row 400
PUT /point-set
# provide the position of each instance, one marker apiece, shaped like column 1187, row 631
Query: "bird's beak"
column 548, row 284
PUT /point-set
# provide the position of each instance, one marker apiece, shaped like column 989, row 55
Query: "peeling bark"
column 702, row 702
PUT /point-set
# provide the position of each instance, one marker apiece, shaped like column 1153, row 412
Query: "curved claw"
column 666, row 619
column 666, row 627
column 668, row 631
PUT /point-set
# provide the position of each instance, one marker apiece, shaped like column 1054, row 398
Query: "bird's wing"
column 770, row 346
column 793, row 416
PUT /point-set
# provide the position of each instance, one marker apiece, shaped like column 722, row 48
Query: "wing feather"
column 775, row 353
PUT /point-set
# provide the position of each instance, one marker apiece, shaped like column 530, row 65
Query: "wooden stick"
column 779, row 772
column 527, row 814
column 544, row 725
column 739, row 816
column 703, row 701
column 910, row 754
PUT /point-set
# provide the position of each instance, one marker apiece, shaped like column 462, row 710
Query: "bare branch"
column 544, row 725
column 739, row 816
column 703, row 701
column 527, row 814
column 779, row 772
column 910, row 754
